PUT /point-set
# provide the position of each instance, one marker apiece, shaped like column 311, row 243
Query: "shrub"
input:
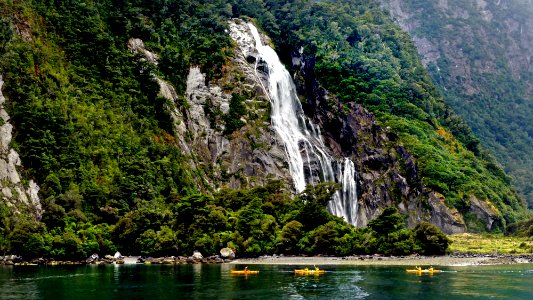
column 389, row 221
column 429, row 239
column 289, row 237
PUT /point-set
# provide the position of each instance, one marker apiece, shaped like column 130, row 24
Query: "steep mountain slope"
column 17, row 196
column 357, row 53
column 134, row 118
column 480, row 55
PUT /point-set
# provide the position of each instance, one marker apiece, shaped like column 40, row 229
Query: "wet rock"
column 168, row 261
column 92, row 259
column 190, row 260
column 219, row 260
column 38, row 261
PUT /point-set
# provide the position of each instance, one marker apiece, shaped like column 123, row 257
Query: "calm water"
column 273, row 282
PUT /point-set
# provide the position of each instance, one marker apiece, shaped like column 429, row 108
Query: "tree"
column 163, row 242
column 429, row 239
column 27, row 239
column 6, row 33
column 249, row 217
column 289, row 237
column 389, row 221
column 313, row 201
column 4, row 228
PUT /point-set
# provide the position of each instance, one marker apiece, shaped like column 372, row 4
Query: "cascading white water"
column 309, row 161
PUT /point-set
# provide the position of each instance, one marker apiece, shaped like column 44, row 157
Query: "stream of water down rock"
column 308, row 157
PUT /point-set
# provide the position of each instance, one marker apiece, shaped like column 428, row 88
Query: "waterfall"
column 308, row 157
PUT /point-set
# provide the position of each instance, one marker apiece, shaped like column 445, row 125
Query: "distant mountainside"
column 480, row 55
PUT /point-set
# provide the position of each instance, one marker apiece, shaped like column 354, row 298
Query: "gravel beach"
column 448, row 260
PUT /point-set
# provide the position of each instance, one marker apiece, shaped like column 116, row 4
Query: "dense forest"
column 479, row 55
column 92, row 130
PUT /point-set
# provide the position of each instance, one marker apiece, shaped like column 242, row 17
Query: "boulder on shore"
column 227, row 253
column 197, row 255
column 92, row 258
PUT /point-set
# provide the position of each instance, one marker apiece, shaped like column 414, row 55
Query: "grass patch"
column 490, row 243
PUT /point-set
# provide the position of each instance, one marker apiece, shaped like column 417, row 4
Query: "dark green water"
column 273, row 282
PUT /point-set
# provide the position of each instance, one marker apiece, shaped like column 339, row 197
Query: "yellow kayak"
column 243, row 272
column 307, row 271
column 422, row 271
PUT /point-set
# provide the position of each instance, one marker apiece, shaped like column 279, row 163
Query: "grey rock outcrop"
column 447, row 219
column 20, row 196
column 137, row 46
column 249, row 156
column 485, row 211
column 167, row 91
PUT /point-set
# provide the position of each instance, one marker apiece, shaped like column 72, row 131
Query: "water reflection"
column 489, row 281
column 273, row 282
column 17, row 286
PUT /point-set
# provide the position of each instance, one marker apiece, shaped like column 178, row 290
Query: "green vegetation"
column 92, row 131
column 236, row 111
column 522, row 228
column 490, row 244
column 263, row 220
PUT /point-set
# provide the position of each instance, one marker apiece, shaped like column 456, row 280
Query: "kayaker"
column 431, row 269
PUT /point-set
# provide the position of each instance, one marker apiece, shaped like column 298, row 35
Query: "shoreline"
column 376, row 260
column 450, row 260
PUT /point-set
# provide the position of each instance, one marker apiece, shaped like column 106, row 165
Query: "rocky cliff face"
column 480, row 54
column 387, row 172
column 251, row 154
column 18, row 193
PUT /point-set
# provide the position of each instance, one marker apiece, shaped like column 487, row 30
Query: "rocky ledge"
column 226, row 255
column 13, row 260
